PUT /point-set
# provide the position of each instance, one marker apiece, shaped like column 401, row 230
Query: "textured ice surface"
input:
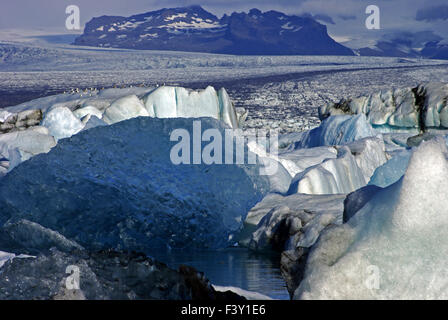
column 337, row 130
column 395, row 246
column 116, row 187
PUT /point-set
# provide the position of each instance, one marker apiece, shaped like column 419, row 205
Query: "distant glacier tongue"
column 115, row 187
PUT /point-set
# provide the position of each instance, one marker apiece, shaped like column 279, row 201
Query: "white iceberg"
column 395, row 246
column 351, row 170
column 178, row 102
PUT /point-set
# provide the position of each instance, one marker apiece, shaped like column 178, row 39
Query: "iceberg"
column 351, row 170
column 178, row 102
column 395, row 246
column 116, row 187
column 420, row 107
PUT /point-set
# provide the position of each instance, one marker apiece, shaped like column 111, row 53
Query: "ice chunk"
column 125, row 108
column 61, row 122
column 395, row 246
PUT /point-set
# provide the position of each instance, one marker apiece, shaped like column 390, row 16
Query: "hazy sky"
column 345, row 18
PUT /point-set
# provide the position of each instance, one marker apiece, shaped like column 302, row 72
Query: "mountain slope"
column 194, row 29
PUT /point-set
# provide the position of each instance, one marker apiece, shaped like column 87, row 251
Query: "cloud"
column 432, row 13
column 321, row 17
column 324, row 18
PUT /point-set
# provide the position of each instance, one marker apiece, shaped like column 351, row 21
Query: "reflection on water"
column 236, row 267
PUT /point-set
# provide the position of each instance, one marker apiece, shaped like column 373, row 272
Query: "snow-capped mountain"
column 425, row 44
column 194, row 29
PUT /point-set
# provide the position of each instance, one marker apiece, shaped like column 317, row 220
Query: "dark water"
column 235, row 267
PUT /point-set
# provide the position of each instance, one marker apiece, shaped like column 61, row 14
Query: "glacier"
column 116, row 187
column 394, row 246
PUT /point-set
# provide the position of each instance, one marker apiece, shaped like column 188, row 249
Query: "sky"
column 345, row 19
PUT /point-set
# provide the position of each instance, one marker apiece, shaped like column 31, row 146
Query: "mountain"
column 435, row 50
column 423, row 44
column 195, row 29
